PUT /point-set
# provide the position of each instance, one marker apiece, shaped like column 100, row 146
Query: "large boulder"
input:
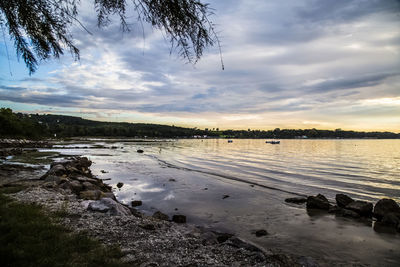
column 109, row 206
column 57, row 170
column 385, row 206
column 318, row 202
column 343, row 200
column 361, row 207
column 391, row 219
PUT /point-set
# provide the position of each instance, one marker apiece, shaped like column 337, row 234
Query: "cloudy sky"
column 288, row 64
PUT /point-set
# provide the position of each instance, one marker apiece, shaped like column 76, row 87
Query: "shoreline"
column 151, row 226
column 148, row 241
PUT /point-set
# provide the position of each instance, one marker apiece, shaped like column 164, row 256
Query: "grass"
column 28, row 237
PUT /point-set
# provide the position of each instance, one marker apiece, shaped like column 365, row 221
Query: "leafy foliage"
column 35, row 125
column 40, row 28
column 19, row 125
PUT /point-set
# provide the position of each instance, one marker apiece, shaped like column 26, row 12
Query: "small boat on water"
column 273, row 142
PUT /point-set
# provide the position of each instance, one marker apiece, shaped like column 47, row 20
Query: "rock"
column 179, row 218
column 89, row 186
column 391, row 219
column 318, row 202
column 296, row 200
column 348, row 213
column 209, row 238
column 148, row 226
column 53, row 178
column 238, row 243
column 343, row 200
column 107, row 195
column 75, row 186
column 136, row 203
column 261, row 232
column 109, row 206
column 385, row 206
column 225, row 196
column 361, row 207
column 72, row 169
column 160, row 216
column 334, row 209
column 90, row 194
column 222, row 237
column 57, row 170
column 139, row 151
column 119, row 185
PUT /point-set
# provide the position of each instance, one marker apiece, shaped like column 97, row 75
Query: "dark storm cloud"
column 354, row 82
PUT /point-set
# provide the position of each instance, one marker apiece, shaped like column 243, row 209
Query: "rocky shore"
column 90, row 205
column 384, row 216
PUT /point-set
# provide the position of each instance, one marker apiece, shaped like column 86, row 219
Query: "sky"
column 288, row 64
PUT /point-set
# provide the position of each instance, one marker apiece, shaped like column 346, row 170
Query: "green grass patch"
column 36, row 157
column 28, row 237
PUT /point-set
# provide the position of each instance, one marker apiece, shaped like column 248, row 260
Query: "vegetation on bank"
column 16, row 125
column 28, row 237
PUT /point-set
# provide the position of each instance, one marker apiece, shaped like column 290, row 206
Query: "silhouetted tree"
column 40, row 28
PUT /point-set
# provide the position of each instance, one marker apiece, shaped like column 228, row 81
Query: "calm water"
column 192, row 176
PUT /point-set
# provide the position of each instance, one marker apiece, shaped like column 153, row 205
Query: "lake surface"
column 194, row 177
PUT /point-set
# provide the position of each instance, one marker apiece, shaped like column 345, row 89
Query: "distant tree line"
column 19, row 125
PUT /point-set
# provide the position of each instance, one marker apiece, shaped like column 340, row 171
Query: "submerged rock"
column 385, row 206
column 261, row 232
column 296, row 200
column 318, row 202
column 361, row 207
column 179, row 218
column 343, row 200
column 136, row 203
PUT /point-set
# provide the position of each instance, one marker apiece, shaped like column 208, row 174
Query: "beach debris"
column 225, row 196
column 178, row 218
column 261, row 232
column 343, row 200
column 139, row 151
column 361, row 207
column 136, row 203
column 119, row 185
column 160, row 216
column 296, row 200
column 318, row 202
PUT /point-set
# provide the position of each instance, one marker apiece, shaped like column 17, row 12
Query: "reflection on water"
column 192, row 177
column 365, row 169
